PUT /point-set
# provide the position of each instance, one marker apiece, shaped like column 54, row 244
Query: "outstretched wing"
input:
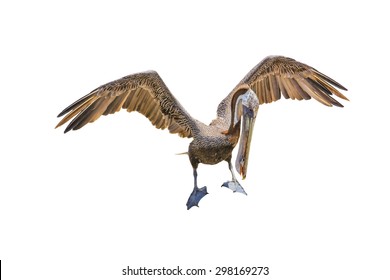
column 143, row 92
column 275, row 76
column 278, row 75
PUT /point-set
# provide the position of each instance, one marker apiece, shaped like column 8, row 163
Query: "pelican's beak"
column 248, row 121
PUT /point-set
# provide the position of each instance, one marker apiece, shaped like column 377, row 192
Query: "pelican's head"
column 246, row 106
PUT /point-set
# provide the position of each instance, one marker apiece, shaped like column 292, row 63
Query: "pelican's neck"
column 236, row 109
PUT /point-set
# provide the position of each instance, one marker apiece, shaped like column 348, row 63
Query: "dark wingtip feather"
column 324, row 91
column 67, row 109
column 67, row 129
column 330, row 80
column 63, row 112
column 76, row 104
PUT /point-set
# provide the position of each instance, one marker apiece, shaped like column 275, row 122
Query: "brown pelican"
column 147, row 94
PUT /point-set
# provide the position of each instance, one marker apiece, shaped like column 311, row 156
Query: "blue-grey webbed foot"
column 196, row 195
column 234, row 186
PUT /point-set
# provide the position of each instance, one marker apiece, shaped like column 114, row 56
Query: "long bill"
column 248, row 121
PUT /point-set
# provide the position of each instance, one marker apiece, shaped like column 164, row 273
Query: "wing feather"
column 143, row 92
column 116, row 104
column 275, row 90
column 299, row 90
column 282, row 88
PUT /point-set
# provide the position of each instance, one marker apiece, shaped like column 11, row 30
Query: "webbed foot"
column 196, row 195
column 234, row 186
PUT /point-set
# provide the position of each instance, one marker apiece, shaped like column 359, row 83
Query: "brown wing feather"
column 277, row 75
column 144, row 92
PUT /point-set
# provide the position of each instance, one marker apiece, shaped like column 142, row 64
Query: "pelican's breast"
column 212, row 146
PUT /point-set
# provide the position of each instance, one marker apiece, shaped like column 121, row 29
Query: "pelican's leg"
column 197, row 194
column 234, row 185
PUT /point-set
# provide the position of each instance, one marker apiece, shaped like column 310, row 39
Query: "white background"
column 86, row 204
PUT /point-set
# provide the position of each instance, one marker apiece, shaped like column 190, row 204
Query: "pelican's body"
column 146, row 93
column 218, row 148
